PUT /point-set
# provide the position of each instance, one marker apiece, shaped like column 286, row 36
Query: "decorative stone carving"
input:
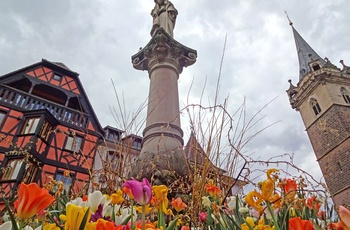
column 163, row 48
column 346, row 69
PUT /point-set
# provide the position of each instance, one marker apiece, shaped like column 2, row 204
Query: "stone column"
column 162, row 149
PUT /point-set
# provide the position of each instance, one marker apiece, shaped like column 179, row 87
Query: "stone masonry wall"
column 330, row 138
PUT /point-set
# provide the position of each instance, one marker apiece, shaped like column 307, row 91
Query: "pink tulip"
column 203, row 216
column 142, row 191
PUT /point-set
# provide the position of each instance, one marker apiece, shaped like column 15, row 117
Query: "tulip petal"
column 344, row 215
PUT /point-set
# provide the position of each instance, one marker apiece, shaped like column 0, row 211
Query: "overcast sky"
column 97, row 39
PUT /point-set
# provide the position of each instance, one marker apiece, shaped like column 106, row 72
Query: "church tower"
column 322, row 96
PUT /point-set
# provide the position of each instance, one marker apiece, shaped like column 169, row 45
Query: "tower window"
column 345, row 95
column 316, row 67
column 315, row 106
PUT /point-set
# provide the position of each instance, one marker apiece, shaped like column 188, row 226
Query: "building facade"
column 48, row 129
column 322, row 96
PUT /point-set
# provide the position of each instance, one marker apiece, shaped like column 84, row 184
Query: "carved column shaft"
column 163, row 58
column 163, row 130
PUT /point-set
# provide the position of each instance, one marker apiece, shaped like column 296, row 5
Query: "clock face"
column 322, row 124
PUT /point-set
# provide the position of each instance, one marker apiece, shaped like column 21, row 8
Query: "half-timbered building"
column 48, row 129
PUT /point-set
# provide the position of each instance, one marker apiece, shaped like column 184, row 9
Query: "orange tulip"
column 105, row 225
column 344, row 222
column 31, row 200
column 289, row 185
column 213, row 190
column 313, row 203
column 128, row 192
column 178, row 204
column 296, row 223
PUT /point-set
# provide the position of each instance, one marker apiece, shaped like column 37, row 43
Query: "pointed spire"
column 305, row 53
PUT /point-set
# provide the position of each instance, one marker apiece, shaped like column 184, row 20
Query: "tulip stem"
column 132, row 215
column 143, row 217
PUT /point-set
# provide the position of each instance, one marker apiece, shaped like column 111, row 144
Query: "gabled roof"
column 195, row 153
column 42, row 73
column 305, row 53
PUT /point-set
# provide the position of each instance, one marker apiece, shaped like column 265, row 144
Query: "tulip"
column 105, row 225
column 74, row 216
column 178, row 204
column 296, row 223
column 51, row 227
column 141, row 191
column 31, row 200
column 5, row 226
column 313, row 203
column 203, row 216
column 289, row 185
column 160, row 198
column 117, row 198
column 344, row 223
column 213, row 190
column 206, row 202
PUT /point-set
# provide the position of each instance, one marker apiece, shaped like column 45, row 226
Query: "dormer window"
column 345, row 95
column 315, row 106
column 316, row 67
column 57, row 77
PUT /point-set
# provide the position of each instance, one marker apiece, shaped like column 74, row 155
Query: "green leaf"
column 210, row 219
column 125, row 222
column 172, row 224
column 238, row 216
column 275, row 223
column 161, row 219
column 12, row 217
column 84, row 220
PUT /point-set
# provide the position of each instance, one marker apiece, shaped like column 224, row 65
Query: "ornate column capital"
column 163, row 49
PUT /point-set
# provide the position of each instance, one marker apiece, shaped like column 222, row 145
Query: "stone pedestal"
column 162, row 149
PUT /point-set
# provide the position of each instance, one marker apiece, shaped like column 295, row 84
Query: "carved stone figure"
column 164, row 16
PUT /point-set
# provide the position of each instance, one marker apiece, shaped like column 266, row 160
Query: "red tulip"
column 31, row 200
column 141, row 191
column 296, row 223
column 289, row 185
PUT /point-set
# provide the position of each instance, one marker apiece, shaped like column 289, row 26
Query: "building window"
column 45, row 130
column 57, row 77
column 30, row 172
column 12, row 169
column 136, row 144
column 113, row 160
column 30, row 125
column 315, row 106
column 2, row 116
column 73, row 143
column 345, row 95
column 66, row 179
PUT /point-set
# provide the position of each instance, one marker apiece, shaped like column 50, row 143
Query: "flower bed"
column 279, row 203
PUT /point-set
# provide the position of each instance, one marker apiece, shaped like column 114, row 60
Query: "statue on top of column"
column 164, row 16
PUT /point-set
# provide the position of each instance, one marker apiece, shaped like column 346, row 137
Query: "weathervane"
column 290, row 22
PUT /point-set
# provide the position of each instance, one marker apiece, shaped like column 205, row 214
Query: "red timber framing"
column 47, row 128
